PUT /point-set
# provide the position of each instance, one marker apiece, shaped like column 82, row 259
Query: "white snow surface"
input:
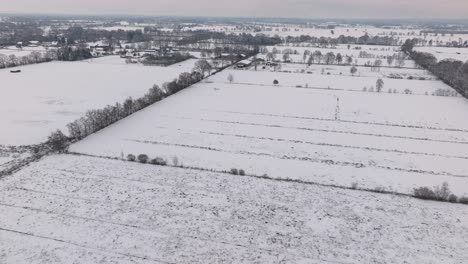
column 442, row 53
column 45, row 97
column 394, row 142
column 75, row 209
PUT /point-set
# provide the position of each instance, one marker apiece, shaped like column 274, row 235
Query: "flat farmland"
column 45, row 97
column 392, row 142
column 75, row 209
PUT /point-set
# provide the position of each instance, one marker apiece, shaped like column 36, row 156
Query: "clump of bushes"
column 463, row 200
column 143, row 158
column 235, row 171
column 131, row 157
column 57, row 141
column 159, row 161
column 438, row 193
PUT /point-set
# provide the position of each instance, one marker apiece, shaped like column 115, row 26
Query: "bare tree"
column 202, row 66
column 230, row 78
column 379, row 85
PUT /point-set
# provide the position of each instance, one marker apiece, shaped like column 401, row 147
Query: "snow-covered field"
column 343, row 69
column 352, row 51
column 400, row 34
column 72, row 209
column 442, row 53
column 47, row 96
column 339, row 137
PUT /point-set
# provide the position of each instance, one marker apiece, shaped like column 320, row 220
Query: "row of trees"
column 452, row 72
column 364, row 40
column 34, row 57
column 95, row 120
column 398, row 59
column 63, row 54
column 221, row 37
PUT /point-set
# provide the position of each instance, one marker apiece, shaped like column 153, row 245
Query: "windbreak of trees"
column 363, row 40
column 33, row 58
column 450, row 71
column 244, row 38
column 95, row 120
column 63, row 54
column 79, row 34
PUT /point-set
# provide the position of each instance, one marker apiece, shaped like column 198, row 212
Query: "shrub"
column 453, row 198
column 234, row 171
column 442, row 192
column 463, row 200
column 354, row 185
column 438, row 193
column 131, row 157
column 242, row 172
column 275, row 82
column 424, row 193
column 143, row 158
column 175, row 161
column 57, row 141
column 159, row 161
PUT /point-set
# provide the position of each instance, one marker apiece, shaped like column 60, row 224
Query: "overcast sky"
column 251, row 8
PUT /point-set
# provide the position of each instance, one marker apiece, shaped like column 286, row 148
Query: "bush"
column 143, row 158
column 159, row 161
column 275, row 82
column 234, row 171
column 131, row 157
column 453, row 198
column 424, row 193
column 242, row 172
column 438, row 193
column 57, row 141
column 442, row 192
column 463, row 200
column 354, row 185
column 175, row 161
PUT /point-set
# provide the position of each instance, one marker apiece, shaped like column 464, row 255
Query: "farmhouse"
column 243, row 64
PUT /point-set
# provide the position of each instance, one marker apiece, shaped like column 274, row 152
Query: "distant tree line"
column 165, row 60
column 363, row 40
column 450, row 71
column 65, row 53
column 78, row 34
column 95, row 120
column 244, row 38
